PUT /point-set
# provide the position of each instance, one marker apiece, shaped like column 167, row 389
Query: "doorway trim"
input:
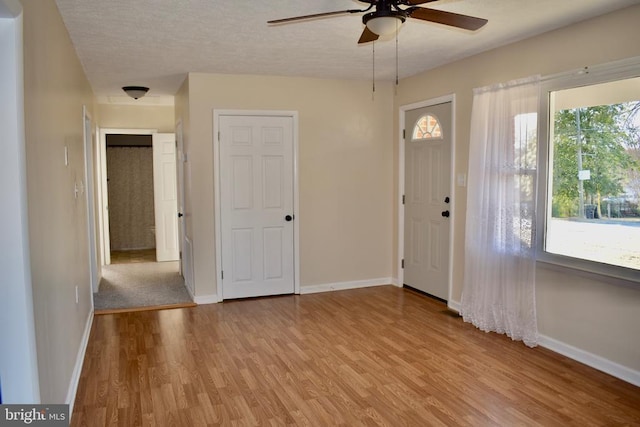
column 216, row 189
column 90, row 174
column 104, row 223
column 401, row 178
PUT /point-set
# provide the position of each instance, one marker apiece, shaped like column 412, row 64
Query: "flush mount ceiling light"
column 136, row 91
column 384, row 24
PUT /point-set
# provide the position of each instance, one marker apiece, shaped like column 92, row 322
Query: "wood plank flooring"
column 374, row 356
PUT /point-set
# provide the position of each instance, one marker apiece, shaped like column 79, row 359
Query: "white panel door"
column 427, row 197
column 186, row 266
column 165, row 196
column 256, row 197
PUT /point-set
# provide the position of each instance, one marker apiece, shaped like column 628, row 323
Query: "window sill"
column 618, row 276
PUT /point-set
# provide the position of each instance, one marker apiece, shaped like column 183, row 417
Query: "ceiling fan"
column 388, row 15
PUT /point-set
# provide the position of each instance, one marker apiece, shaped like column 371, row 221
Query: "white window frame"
column 587, row 76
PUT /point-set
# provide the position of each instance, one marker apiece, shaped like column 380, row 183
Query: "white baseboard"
column 327, row 287
column 396, row 282
column 193, row 297
column 206, row 299
column 582, row 356
column 77, row 369
column 454, row 306
column 590, row 359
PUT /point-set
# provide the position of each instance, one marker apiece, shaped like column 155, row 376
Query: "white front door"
column 427, row 199
column 256, row 198
column 165, row 196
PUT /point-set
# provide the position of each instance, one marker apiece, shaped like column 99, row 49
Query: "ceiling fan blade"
column 315, row 15
column 447, row 18
column 367, row 36
column 415, row 2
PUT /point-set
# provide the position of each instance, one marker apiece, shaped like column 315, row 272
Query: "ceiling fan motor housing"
column 385, row 19
column 398, row 14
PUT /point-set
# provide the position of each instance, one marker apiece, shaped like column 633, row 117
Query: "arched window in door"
column 427, row 127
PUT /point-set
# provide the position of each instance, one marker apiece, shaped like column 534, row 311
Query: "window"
column 427, row 127
column 592, row 216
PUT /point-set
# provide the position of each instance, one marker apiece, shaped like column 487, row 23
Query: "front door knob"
column 288, row 218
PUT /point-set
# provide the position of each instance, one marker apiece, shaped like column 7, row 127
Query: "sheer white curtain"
column 499, row 282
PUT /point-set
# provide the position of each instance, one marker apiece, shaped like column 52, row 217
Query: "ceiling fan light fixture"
column 135, row 91
column 384, row 25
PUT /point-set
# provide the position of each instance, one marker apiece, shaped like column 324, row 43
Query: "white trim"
column 77, row 369
column 216, row 198
column 582, row 356
column 340, row 286
column 216, row 189
column 401, row 171
column 600, row 363
column 454, row 306
column 90, row 198
column 205, row 299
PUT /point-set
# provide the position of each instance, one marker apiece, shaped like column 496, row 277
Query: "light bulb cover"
column 136, row 91
column 384, row 25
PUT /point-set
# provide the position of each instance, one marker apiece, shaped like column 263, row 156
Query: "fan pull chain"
column 373, row 77
column 396, row 88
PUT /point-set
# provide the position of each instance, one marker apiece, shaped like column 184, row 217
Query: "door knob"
column 446, row 199
column 288, row 218
column 180, row 215
column 445, row 214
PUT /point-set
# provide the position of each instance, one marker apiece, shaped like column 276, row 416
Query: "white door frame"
column 104, row 223
column 216, row 188
column 89, row 172
column 401, row 177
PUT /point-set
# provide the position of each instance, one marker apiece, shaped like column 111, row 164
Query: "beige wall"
column 136, row 117
column 590, row 314
column 345, row 171
column 55, row 91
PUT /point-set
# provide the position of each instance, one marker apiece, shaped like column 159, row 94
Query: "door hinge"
column 402, row 263
column 403, row 199
column 404, row 133
column 218, row 136
column 222, row 274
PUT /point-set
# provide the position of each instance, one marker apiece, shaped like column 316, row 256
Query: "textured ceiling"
column 155, row 43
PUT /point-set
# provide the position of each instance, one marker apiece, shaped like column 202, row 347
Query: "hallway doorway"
column 138, row 229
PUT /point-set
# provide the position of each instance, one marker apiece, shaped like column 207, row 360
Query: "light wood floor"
column 375, row 356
